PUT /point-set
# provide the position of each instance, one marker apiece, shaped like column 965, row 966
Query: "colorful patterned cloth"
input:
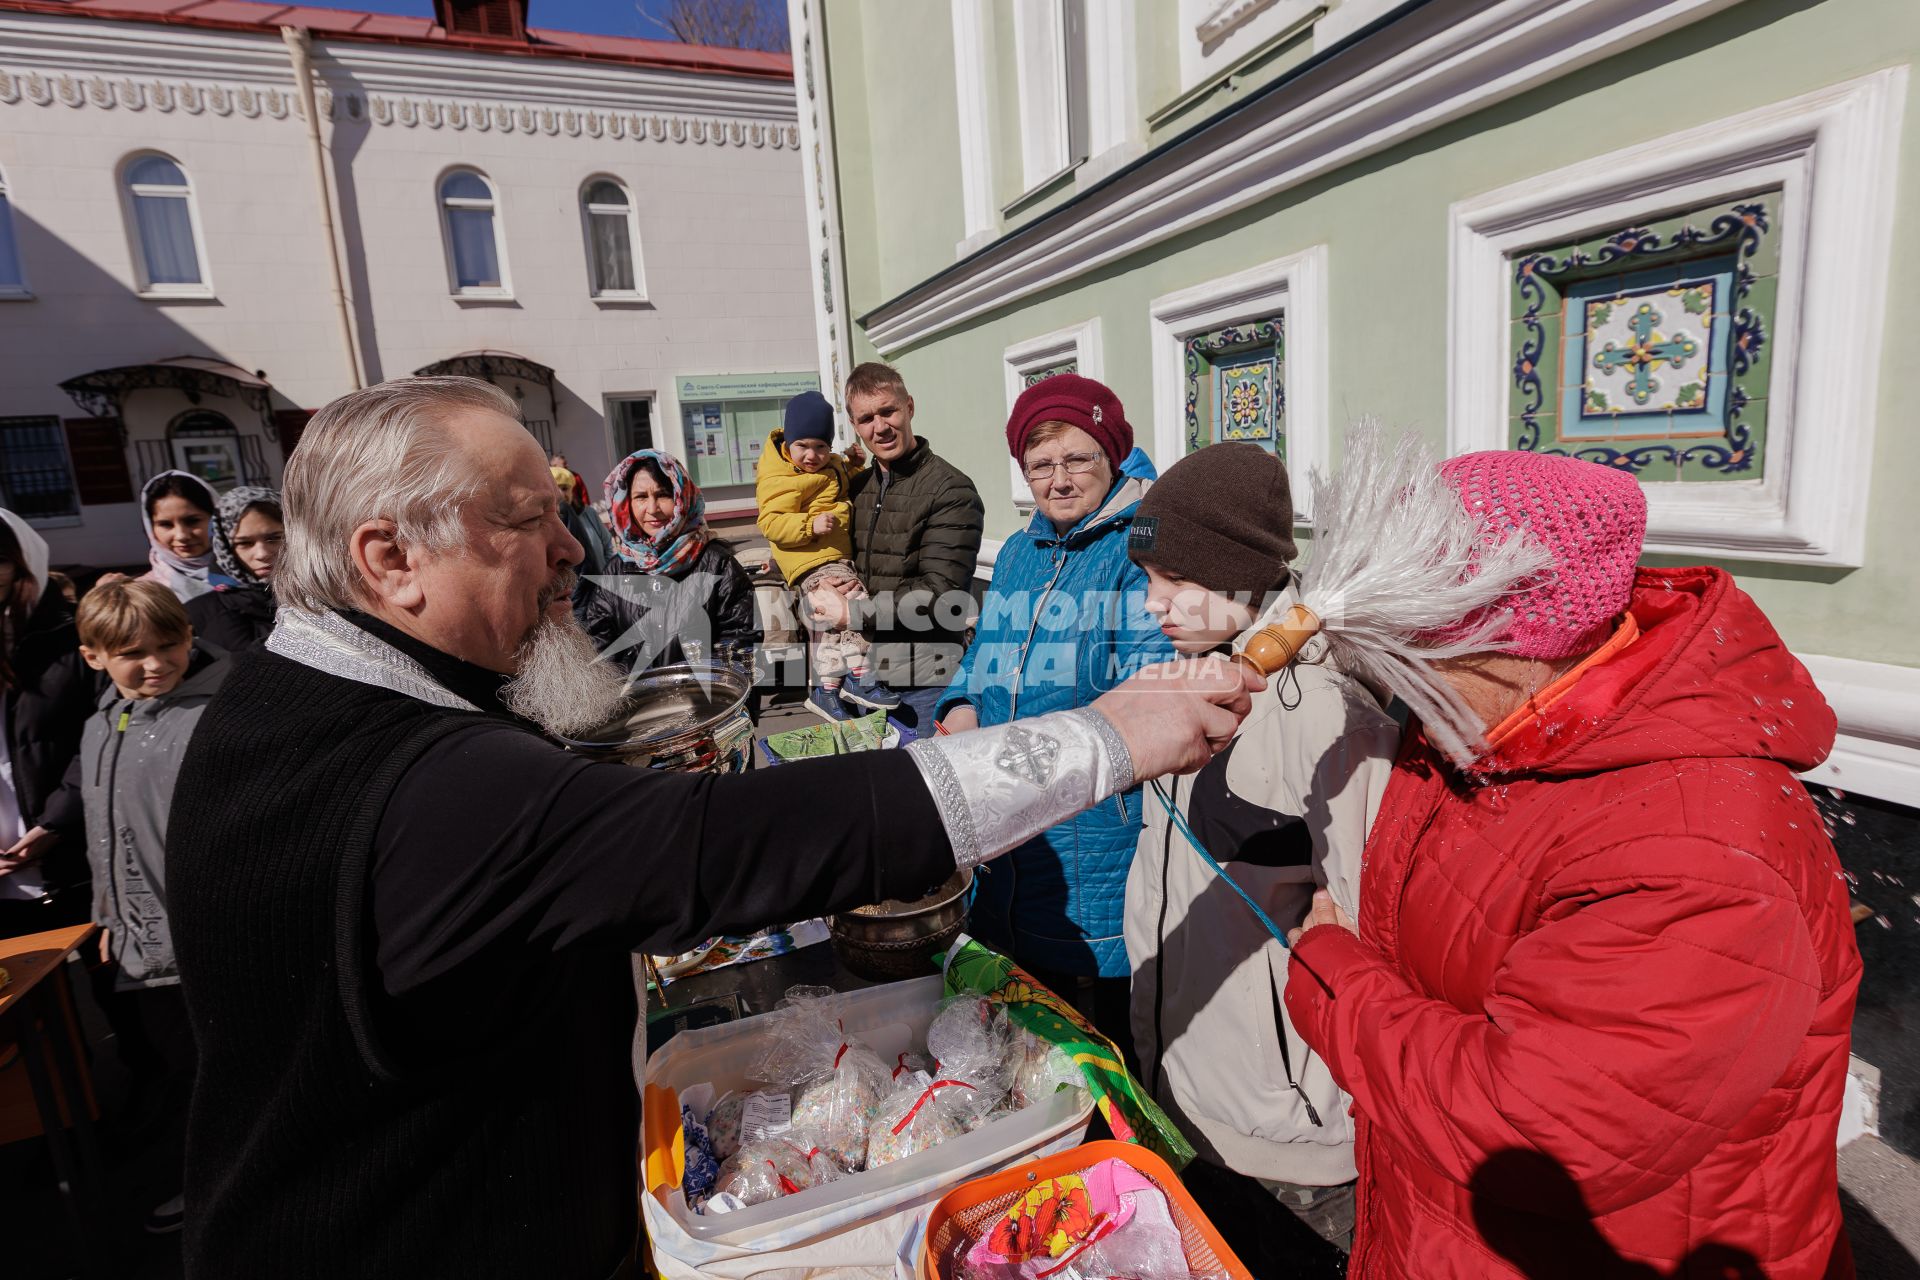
column 1130, row 1113
column 673, row 550
column 1107, row 1220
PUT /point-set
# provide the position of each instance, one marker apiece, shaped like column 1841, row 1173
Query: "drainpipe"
column 300, row 50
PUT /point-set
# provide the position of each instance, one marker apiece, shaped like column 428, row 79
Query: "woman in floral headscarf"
column 248, row 536
column 672, row 591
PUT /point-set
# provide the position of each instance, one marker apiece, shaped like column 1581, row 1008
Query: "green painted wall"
column 1384, row 221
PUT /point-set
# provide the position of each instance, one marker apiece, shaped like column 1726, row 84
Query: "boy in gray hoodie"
column 138, row 634
column 1285, row 810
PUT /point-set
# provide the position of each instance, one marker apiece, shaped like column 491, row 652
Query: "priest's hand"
column 1176, row 716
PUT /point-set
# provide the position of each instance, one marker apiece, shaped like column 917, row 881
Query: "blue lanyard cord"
column 1180, row 825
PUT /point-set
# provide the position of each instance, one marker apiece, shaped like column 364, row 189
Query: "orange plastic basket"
column 968, row 1213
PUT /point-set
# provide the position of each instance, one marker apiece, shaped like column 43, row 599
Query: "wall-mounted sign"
column 747, row 386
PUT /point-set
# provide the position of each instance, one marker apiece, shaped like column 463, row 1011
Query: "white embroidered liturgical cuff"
column 997, row 788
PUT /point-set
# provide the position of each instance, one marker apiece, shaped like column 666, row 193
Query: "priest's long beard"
column 563, row 686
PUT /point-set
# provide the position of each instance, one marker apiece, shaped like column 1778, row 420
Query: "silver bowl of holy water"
column 689, row 718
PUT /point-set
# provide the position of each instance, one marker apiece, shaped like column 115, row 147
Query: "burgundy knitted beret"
column 1078, row 402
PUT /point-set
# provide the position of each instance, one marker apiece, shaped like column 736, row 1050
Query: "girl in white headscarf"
column 182, row 517
column 46, row 694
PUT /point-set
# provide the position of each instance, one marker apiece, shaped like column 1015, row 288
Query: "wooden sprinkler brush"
column 1272, row 647
column 1400, row 576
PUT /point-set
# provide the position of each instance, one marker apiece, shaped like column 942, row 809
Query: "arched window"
column 165, row 227
column 613, row 239
column 12, row 281
column 475, row 251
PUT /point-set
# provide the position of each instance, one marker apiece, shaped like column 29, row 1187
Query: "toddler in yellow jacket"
column 801, row 487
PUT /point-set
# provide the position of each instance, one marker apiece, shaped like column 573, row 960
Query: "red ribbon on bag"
column 921, row 1101
column 787, row 1187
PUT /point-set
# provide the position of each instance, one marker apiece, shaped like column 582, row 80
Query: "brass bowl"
column 689, row 718
column 889, row 941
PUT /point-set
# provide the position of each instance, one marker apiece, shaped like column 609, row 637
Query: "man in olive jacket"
column 916, row 540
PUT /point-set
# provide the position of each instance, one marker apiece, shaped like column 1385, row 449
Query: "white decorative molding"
column 1217, row 35
column 820, row 184
column 1223, row 16
column 1347, row 17
column 988, row 557
column 1441, row 66
column 104, row 94
column 1079, row 343
column 79, row 45
column 1294, row 286
column 1834, row 156
column 1878, row 706
column 974, row 95
column 78, row 61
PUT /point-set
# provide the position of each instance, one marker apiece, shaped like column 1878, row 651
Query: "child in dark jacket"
column 130, row 753
column 248, row 536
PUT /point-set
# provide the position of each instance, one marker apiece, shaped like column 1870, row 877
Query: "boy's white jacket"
column 1215, row 1045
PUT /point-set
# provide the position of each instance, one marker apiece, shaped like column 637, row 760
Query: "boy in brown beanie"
column 1284, row 809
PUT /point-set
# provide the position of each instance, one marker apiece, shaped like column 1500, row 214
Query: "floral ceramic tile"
column 1644, row 348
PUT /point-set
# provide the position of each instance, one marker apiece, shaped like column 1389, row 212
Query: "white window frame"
column 12, row 292
column 1050, row 145
column 587, row 214
column 144, row 287
column 501, row 292
column 1081, row 343
column 1112, row 92
column 974, row 96
column 1834, row 155
column 1295, row 287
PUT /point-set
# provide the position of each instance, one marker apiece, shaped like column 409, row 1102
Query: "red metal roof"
column 347, row 24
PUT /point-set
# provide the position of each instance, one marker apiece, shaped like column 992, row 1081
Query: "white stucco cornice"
column 129, row 57
column 1437, row 64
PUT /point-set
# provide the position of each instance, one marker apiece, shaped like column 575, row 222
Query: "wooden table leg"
column 59, row 1009
column 80, row 1179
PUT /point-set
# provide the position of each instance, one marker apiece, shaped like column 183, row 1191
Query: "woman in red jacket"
column 1595, row 1019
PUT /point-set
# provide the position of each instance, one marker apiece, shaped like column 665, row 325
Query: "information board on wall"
column 745, row 386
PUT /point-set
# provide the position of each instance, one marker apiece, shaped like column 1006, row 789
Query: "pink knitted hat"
column 1593, row 520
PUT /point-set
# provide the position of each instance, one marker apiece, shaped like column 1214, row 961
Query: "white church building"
column 192, row 261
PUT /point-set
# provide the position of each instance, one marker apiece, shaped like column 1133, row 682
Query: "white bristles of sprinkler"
column 1396, row 558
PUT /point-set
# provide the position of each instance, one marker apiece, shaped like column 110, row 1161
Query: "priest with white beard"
column 404, row 914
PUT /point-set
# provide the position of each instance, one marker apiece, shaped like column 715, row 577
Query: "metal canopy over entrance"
column 491, row 366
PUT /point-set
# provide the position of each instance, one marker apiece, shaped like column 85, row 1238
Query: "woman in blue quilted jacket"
column 1064, row 621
